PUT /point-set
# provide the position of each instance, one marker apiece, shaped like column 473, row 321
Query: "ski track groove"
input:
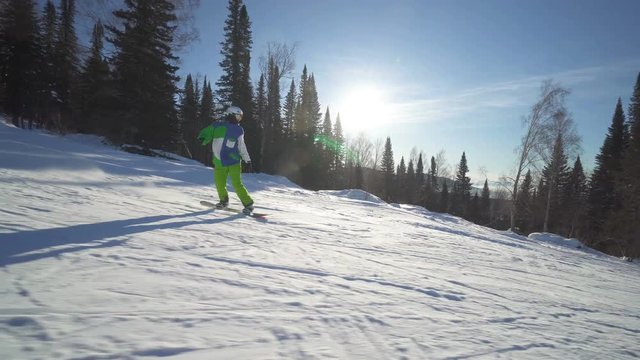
column 319, row 273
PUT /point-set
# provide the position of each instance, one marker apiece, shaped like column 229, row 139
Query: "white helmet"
column 235, row 111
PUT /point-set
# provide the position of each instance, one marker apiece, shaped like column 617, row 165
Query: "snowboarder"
column 227, row 141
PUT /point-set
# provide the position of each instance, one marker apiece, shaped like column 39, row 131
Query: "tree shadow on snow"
column 25, row 246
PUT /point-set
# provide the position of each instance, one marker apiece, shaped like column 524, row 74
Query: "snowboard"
column 254, row 215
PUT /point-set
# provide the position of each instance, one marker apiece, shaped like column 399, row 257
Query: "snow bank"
column 354, row 194
column 556, row 240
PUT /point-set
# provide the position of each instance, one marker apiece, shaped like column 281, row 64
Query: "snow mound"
column 556, row 240
column 354, row 194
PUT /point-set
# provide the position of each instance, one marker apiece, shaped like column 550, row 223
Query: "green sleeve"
column 206, row 135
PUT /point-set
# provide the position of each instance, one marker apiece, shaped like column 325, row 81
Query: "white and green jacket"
column 227, row 143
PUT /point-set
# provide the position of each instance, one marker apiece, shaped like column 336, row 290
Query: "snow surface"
column 108, row 255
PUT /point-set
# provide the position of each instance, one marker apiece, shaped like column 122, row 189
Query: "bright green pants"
column 220, row 175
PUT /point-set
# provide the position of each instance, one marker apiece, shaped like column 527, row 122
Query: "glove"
column 249, row 167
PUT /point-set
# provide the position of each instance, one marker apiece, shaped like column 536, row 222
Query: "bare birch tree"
column 413, row 155
column 362, row 149
column 378, row 149
column 282, row 55
column 534, row 146
column 442, row 167
column 561, row 124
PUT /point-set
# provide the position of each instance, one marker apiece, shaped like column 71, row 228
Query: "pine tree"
column 574, row 201
column 426, row 196
column 289, row 113
column 387, row 169
column 326, row 125
column 539, row 201
column 188, row 115
column 308, row 115
column 524, row 204
column 275, row 114
column 245, row 90
column 603, row 198
column 96, row 91
column 314, row 109
column 198, row 92
column 401, row 182
column 207, row 106
column 289, row 109
column 433, row 175
column 19, row 54
column 461, row 188
column 401, row 169
column 473, row 211
column 327, row 151
column 49, row 28
column 411, row 184
column 234, row 85
column 555, row 175
column 300, row 120
column 444, row 198
column 307, row 127
column 273, row 121
column 419, row 172
column 145, row 73
column 260, row 115
column 338, row 159
column 302, row 153
column 233, row 54
column 66, row 64
column 205, row 117
column 429, row 197
column 485, row 204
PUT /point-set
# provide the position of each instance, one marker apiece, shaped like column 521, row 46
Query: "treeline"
column 429, row 186
column 128, row 97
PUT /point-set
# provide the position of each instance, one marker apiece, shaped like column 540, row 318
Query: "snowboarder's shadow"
column 30, row 245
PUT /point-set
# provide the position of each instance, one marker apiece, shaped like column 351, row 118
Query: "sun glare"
column 364, row 107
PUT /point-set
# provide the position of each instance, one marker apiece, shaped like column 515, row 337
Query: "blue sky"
column 453, row 75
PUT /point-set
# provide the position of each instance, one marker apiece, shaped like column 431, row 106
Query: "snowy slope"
column 108, row 255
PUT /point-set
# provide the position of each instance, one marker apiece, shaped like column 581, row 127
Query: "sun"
column 364, row 107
